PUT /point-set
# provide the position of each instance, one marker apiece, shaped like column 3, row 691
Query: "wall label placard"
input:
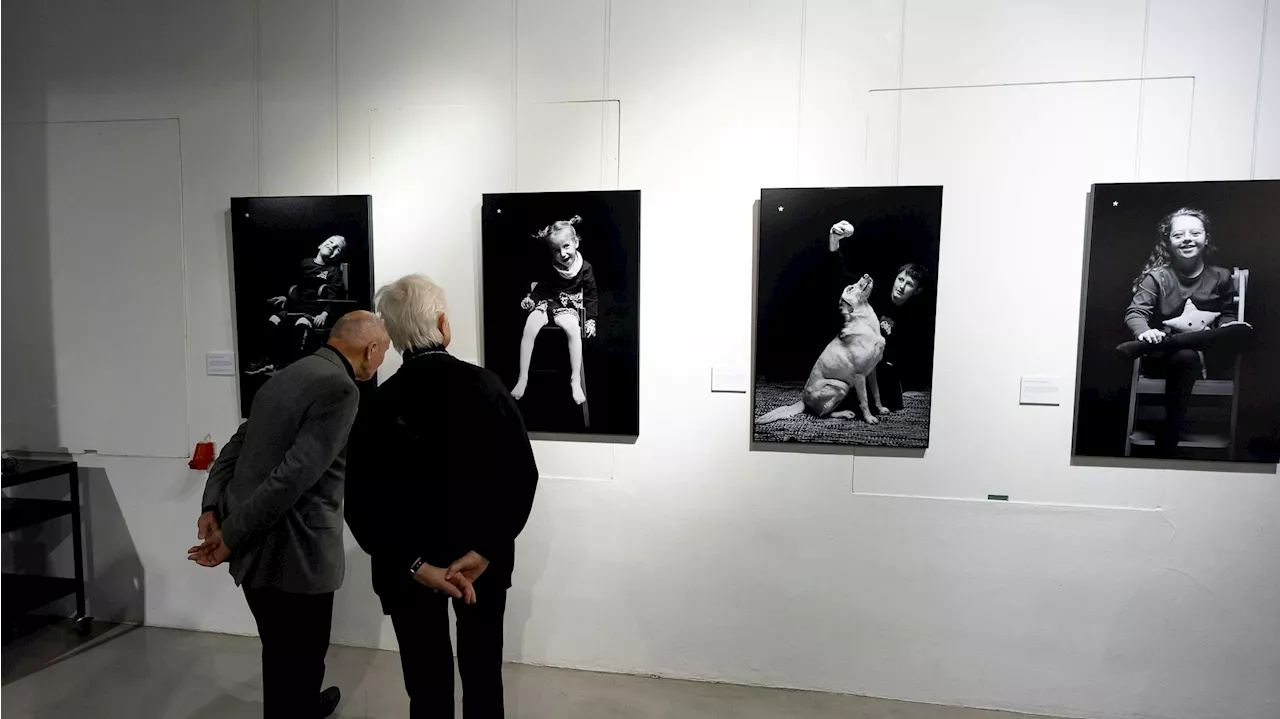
column 1041, row 390
column 220, row 364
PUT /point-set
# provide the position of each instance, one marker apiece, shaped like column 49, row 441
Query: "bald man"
column 273, row 507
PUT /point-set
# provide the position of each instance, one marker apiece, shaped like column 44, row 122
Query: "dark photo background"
column 270, row 238
column 512, row 258
column 1244, row 217
column 799, row 281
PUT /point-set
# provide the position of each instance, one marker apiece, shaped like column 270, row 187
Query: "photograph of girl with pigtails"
column 845, row 307
column 561, row 292
column 1179, row 347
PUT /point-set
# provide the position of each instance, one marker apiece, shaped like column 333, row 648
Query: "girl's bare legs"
column 569, row 323
column 536, row 321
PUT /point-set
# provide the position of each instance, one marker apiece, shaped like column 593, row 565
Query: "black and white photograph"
column 845, row 308
column 300, row 263
column 1179, row 349
column 561, row 293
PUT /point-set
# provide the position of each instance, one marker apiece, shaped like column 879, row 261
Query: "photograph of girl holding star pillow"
column 1182, row 323
column 1182, row 316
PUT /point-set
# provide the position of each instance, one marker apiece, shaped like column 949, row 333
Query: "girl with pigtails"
column 564, row 292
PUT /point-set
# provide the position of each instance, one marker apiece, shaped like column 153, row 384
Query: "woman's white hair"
column 411, row 308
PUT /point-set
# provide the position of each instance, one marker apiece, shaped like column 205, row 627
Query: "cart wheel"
column 83, row 625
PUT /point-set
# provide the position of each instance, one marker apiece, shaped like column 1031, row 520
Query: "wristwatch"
column 417, row 564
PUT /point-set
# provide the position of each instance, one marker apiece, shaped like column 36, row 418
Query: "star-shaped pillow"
column 1191, row 320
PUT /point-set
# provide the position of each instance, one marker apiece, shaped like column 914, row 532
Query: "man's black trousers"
column 295, row 638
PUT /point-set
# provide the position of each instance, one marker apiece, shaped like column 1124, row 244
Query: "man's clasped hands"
column 456, row 580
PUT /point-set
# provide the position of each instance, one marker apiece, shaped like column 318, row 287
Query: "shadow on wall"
column 116, row 583
column 30, row 414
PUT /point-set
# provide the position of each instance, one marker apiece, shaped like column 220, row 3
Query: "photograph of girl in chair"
column 845, row 315
column 561, row 307
column 1179, row 356
column 300, row 264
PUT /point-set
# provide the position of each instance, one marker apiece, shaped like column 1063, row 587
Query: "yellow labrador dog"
column 849, row 360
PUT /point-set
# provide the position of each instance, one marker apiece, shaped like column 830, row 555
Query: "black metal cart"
column 24, row 592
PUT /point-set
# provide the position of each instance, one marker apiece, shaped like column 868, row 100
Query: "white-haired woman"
column 442, row 480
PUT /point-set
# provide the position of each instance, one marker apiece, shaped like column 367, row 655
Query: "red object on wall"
column 203, row 456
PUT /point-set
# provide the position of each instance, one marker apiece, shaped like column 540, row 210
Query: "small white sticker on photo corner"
column 220, row 364
column 1041, row 390
column 727, row 379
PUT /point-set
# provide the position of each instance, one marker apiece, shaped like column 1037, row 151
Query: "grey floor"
column 148, row 672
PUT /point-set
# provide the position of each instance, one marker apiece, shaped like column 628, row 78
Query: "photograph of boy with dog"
column 561, row 291
column 300, row 263
column 845, row 309
column 1179, row 350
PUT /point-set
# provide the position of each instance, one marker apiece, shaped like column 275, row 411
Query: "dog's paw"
column 871, row 419
column 883, row 410
column 842, row 414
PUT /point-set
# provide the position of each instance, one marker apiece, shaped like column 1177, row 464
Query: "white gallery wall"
column 1102, row 589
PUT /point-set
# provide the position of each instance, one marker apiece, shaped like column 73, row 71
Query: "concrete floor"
column 149, row 672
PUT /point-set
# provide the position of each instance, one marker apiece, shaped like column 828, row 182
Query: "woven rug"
column 908, row 427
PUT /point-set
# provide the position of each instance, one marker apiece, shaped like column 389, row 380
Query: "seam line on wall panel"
column 902, row 63
column 109, row 454
column 337, row 184
column 83, row 122
column 186, row 288
column 617, row 166
column 1015, row 503
column 1142, row 88
column 257, row 94
column 554, row 102
column 515, row 95
column 604, row 90
column 1191, row 125
column 804, row 34
column 1029, row 84
column 563, row 478
column 1257, row 100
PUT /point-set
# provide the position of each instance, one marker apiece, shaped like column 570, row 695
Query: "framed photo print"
column 300, row 263
column 561, row 292
column 845, row 307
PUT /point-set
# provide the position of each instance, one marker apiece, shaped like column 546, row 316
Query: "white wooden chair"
column 1229, row 389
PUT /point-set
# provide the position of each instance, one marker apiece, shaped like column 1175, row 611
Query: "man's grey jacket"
column 277, row 486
